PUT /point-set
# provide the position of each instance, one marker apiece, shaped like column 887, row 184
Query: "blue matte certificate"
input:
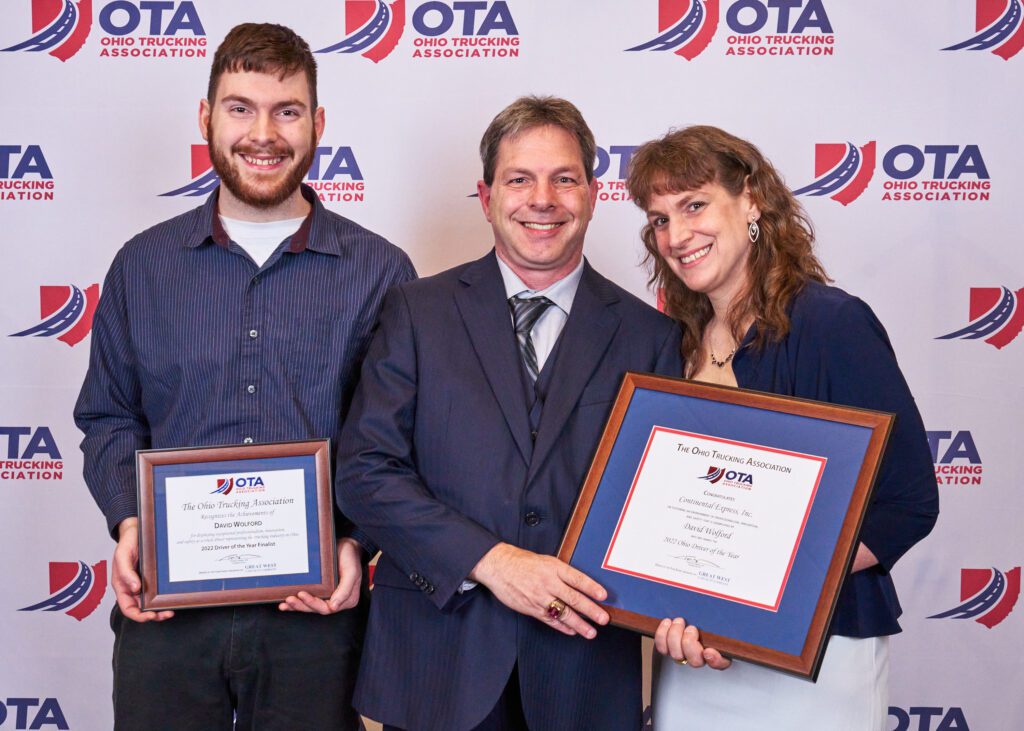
column 735, row 509
column 230, row 525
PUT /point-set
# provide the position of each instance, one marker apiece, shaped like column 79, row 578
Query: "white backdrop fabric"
column 906, row 153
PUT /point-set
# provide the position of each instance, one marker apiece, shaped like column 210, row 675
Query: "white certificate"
column 248, row 524
column 715, row 516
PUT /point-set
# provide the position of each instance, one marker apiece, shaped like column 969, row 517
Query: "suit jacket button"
column 532, row 519
column 414, row 577
column 429, row 589
column 533, row 435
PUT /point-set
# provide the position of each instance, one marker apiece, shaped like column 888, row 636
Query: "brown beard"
column 259, row 196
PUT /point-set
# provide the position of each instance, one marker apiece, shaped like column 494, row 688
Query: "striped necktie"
column 526, row 312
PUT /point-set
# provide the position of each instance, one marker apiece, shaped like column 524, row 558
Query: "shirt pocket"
column 324, row 353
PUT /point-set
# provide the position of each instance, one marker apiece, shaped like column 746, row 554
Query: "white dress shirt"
column 549, row 325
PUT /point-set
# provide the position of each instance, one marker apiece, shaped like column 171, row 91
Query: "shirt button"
column 532, row 519
column 253, row 334
column 250, row 388
column 247, row 440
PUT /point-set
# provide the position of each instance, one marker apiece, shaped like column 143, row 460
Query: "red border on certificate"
column 796, row 544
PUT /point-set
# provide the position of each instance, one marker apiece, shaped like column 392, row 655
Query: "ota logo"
column 242, row 484
column 59, row 28
column 920, row 718
column 23, row 458
column 941, row 173
column 65, row 313
column 999, row 26
column 151, row 29
column 610, row 171
column 75, row 589
column 728, row 478
column 335, row 175
column 842, row 171
column 956, row 458
column 372, row 29
column 44, row 712
column 24, row 174
column 460, row 29
column 757, row 28
column 995, row 313
column 987, row 595
column 685, row 27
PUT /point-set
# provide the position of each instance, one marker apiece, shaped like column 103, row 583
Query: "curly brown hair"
column 779, row 264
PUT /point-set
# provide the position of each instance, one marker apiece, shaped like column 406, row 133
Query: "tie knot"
column 526, row 312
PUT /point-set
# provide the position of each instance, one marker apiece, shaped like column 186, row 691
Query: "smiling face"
column 262, row 136
column 539, row 204
column 702, row 236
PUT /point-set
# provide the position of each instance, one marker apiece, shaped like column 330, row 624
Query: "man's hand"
column 528, row 582
column 681, row 642
column 346, row 596
column 124, row 578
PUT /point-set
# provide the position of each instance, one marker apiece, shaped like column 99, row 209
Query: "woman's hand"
column 681, row 642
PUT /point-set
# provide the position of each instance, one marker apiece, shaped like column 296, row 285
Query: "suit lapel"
column 484, row 309
column 588, row 332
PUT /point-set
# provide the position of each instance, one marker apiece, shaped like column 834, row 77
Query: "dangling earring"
column 753, row 232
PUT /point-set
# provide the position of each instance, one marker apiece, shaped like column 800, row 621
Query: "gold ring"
column 684, row 661
column 557, row 609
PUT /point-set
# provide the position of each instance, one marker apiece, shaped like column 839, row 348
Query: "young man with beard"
column 242, row 321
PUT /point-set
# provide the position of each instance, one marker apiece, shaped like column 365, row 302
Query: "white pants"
column 852, row 693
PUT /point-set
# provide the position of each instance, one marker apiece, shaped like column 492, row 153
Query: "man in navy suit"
column 481, row 402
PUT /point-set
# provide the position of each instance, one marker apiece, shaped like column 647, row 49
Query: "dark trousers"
column 507, row 714
column 237, row 668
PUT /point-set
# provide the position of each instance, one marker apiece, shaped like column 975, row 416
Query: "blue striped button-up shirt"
column 194, row 345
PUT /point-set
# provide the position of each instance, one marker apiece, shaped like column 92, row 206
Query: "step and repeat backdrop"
column 896, row 122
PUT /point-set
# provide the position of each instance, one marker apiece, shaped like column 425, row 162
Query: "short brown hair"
column 779, row 264
column 528, row 112
column 265, row 48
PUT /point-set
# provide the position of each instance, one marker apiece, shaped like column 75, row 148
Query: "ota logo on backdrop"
column 32, row 713
column 756, row 28
column 987, row 595
column 956, row 458
column 24, row 457
column 75, row 589
column 59, row 27
column 610, row 171
column 999, row 26
column 334, row 175
column 995, row 313
column 928, row 718
column 151, row 29
column 25, row 174
column 443, row 30
column 130, row 28
column 65, row 313
column 934, row 173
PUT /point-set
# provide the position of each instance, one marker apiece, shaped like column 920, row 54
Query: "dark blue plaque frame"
column 790, row 638
column 156, row 466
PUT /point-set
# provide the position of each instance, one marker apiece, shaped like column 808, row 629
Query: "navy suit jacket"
column 837, row 351
column 437, row 464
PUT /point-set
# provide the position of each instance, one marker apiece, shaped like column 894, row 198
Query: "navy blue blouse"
column 837, row 351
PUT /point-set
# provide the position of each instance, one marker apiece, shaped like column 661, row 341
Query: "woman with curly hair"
column 731, row 251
